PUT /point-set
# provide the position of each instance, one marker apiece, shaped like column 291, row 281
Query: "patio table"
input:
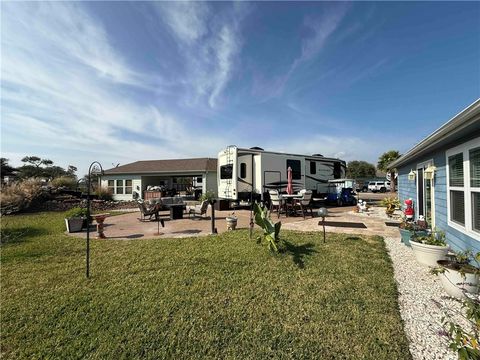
column 290, row 199
column 176, row 211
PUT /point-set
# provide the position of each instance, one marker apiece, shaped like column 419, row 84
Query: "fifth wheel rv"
column 242, row 172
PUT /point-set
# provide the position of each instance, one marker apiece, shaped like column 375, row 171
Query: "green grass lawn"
column 209, row 297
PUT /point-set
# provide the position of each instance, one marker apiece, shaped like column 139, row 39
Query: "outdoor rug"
column 347, row 224
column 392, row 223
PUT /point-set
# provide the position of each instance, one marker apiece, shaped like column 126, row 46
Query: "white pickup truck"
column 379, row 186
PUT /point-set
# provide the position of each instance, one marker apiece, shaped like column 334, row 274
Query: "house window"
column 463, row 181
column 313, row 167
column 128, row 186
column 296, row 166
column 119, row 187
column 111, row 186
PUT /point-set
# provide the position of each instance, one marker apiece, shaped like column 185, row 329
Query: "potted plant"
column 75, row 218
column 390, row 203
column 428, row 249
column 232, row 221
column 408, row 229
column 460, row 274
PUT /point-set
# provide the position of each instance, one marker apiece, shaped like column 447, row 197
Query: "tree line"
column 36, row 167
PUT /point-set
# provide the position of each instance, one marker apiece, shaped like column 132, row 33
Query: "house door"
column 425, row 195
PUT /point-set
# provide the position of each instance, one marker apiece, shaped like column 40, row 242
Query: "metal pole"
column 214, row 231
column 323, row 223
column 88, row 214
column 251, row 215
column 88, row 225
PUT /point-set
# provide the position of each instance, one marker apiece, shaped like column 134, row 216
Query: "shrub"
column 76, row 212
column 104, row 194
column 209, row 196
column 65, row 181
column 20, row 195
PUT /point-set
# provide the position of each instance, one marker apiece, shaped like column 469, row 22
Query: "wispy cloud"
column 208, row 43
column 65, row 90
column 316, row 30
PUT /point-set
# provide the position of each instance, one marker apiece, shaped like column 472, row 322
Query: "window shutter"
column 475, row 167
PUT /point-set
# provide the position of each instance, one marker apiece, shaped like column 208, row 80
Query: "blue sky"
column 119, row 82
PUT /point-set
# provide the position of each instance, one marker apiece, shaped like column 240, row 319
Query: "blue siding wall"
column 407, row 189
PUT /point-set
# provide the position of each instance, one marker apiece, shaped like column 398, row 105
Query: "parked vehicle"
column 364, row 187
column 241, row 171
column 340, row 192
column 379, row 186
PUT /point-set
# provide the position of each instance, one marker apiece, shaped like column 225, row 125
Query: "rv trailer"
column 242, row 172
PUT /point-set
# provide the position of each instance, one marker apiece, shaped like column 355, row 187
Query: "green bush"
column 76, row 212
column 104, row 194
column 64, row 181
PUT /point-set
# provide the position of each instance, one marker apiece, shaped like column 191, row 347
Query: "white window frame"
column 424, row 165
column 467, row 189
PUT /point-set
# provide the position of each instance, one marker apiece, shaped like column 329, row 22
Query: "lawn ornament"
column 409, row 212
column 362, row 206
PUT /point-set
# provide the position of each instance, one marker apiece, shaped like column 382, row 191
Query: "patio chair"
column 276, row 202
column 150, row 211
column 305, row 202
column 198, row 210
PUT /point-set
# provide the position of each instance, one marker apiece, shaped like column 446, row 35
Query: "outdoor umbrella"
column 289, row 181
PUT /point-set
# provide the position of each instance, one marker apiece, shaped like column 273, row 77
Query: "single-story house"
column 442, row 176
column 144, row 179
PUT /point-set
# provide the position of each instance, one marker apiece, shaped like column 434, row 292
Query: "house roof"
column 464, row 124
column 165, row 166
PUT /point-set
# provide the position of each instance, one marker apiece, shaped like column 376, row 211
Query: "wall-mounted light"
column 429, row 172
column 411, row 175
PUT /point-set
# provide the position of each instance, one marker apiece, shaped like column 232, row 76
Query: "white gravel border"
column 418, row 292
column 422, row 301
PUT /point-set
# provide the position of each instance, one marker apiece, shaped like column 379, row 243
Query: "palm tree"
column 384, row 162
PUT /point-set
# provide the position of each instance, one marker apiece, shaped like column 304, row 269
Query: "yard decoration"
column 271, row 230
column 428, row 249
column 231, row 222
column 408, row 212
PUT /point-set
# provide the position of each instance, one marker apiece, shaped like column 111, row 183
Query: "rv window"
column 243, row 170
column 337, row 170
column 226, row 171
column 296, row 166
column 313, row 167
